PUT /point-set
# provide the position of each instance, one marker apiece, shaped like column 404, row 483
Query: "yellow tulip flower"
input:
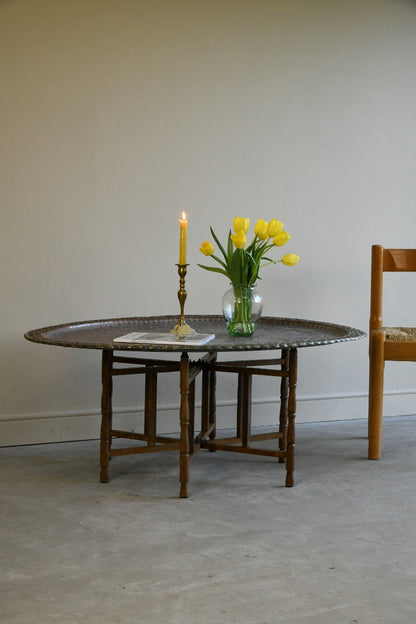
column 260, row 229
column 290, row 259
column 239, row 239
column 281, row 239
column 240, row 260
column 274, row 227
column 241, row 224
column 207, row 248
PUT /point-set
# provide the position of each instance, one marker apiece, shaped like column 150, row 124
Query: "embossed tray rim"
column 264, row 338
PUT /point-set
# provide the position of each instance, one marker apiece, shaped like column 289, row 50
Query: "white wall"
column 118, row 114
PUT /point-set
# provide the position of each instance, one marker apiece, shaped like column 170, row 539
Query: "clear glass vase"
column 242, row 307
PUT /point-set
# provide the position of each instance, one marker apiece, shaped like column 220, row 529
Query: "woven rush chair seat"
column 406, row 334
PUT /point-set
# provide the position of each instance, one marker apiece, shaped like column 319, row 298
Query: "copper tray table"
column 272, row 334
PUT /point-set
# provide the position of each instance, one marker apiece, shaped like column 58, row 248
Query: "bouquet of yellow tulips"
column 241, row 263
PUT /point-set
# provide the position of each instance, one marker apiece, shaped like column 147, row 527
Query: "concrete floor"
column 338, row 548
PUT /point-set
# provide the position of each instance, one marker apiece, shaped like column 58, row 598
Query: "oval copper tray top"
column 270, row 333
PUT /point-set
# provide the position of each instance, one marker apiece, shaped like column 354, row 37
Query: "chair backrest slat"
column 399, row 259
column 383, row 260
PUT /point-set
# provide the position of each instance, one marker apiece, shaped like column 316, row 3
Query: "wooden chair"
column 386, row 343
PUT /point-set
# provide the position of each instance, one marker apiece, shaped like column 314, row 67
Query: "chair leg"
column 375, row 395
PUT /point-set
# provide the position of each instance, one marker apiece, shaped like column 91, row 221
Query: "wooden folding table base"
column 244, row 441
column 154, row 443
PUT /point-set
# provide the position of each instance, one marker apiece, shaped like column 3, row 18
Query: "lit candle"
column 183, row 221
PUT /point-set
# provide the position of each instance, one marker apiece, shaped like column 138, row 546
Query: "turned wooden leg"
column 375, row 395
column 213, row 402
column 191, row 428
column 150, row 407
column 244, row 408
column 106, row 412
column 205, row 400
column 283, row 406
column 290, row 456
column 184, row 457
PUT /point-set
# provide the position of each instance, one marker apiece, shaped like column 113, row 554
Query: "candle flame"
column 183, row 216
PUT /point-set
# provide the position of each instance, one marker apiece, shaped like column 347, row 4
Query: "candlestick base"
column 182, row 329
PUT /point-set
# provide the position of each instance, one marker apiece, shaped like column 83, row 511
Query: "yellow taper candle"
column 183, row 221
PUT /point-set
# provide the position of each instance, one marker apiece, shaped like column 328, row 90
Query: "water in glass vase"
column 242, row 307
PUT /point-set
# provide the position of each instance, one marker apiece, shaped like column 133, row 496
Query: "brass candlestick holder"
column 182, row 329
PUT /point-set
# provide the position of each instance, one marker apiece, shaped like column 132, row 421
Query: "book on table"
column 165, row 338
